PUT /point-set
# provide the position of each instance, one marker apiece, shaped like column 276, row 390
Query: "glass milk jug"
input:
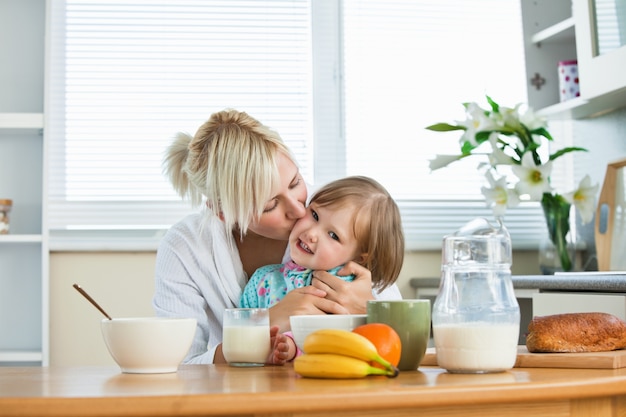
column 476, row 316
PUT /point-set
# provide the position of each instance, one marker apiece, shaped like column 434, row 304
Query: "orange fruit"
column 386, row 340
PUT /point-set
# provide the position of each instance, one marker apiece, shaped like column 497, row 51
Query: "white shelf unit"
column 549, row 37
column 24, row 251
column 22, row 356
column 24, row 255
column 21, row 121
column 559, row 30
column 13, row 238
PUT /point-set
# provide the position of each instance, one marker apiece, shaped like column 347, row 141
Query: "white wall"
column 122, row 283
column 605, row 139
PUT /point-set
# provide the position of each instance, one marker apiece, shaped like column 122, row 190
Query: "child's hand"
column 284, row 348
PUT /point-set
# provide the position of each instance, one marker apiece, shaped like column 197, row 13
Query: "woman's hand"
column 327, row 295
column 353, row 295
column 305, row 300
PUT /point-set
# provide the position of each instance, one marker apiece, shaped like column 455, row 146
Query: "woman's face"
column 324, row 238
column 287, row 205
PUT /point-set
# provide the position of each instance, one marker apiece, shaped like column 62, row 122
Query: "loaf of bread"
column 576, row 332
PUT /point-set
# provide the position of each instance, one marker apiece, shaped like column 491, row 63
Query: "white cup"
column 246, row 337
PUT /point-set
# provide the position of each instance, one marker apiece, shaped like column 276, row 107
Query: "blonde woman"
column 252, row 193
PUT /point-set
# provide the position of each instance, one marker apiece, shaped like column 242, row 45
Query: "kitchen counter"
column 540, row 295
column 207, row 390
column 583, row 281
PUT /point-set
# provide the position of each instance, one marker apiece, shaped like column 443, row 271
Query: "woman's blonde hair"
column 231, row 162
column 376, row 220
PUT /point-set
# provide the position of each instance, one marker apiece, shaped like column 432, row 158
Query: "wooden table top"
column 223, row 390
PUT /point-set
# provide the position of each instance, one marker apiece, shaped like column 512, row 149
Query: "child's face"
column 323, row 238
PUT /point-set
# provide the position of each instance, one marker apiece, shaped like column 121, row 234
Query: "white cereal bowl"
column 148, row 345
column 301, row 326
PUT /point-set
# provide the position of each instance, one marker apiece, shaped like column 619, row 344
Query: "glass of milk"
column 246, row 336
column 476, row 316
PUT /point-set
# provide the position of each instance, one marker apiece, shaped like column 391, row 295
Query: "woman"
column 254, row 194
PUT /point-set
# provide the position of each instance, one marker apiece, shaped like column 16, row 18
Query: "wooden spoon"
column 91, row 300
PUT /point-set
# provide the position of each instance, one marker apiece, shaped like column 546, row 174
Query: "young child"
column 351, row 219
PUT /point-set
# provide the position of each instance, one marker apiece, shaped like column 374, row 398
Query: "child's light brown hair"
column 376, row 220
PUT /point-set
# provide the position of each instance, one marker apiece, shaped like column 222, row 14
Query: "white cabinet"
column 562, row 30
column 601, row 48
column 24, row 251
column 549, row 37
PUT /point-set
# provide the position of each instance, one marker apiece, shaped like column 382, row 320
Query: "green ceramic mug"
column 411, row 320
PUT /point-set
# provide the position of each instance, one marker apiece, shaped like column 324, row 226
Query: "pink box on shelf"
column 568, row 80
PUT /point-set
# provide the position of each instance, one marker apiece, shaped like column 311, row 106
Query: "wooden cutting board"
column 590, row 360
column 609, row 227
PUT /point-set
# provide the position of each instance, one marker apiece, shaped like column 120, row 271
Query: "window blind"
column 349, row 85
column 128, row 75
column 412, row 63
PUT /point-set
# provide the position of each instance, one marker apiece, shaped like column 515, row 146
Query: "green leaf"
column 542, row 132
column 556, row 211
column 533, row 146
column 563, row 151
column 445, row 127
column 482, row 136
column 494, row 106
column 467, row 148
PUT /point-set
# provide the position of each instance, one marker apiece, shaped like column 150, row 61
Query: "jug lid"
column 478, row 242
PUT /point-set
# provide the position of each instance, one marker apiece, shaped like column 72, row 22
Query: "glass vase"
column 549, row 260
column 557, row 251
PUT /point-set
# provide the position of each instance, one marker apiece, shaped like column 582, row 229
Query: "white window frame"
column 425, row 221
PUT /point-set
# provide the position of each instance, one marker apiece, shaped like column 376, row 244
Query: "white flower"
column 531, row 120
column 533, row 179
column 497, row 156
column 583, row 199
column 477, row 121
column 441, row 161
column 514, row 136
column 499, row 197
column 509, row 117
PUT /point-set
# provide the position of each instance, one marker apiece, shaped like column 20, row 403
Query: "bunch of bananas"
column 333, row 353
